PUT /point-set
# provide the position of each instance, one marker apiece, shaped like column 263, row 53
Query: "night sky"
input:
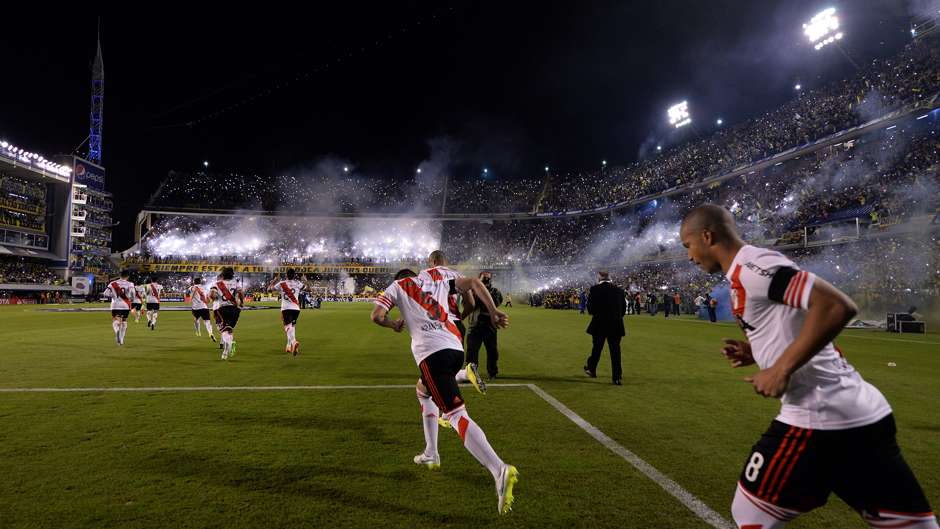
column 514, row 86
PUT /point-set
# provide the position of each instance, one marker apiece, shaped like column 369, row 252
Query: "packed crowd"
column 19, row 270
column 883, row 85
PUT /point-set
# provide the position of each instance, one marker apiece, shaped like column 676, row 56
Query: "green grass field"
column 342, row 457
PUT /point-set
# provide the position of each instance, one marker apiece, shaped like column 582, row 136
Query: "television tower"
column 97, row 105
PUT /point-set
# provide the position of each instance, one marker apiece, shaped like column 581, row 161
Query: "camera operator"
column 482, row 330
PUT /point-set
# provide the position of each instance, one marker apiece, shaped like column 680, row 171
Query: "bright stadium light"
column 823, row 29
column 798, row 86
column 485, row 170
column 419, row 170
column 604, row 163
column 679, row 114
column 659, row 147
column 205, row 163
column 546, row 168
column 345, row 169
column 719, row 121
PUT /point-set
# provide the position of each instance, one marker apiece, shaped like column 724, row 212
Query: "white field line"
column 685, row 497
column 694, row 504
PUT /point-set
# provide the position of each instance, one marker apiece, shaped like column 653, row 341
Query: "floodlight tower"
column 823, row 29
column 97, row 106
column 679, row 115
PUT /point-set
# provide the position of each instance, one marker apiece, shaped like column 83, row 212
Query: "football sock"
column 116, row 325
column 291, row 334
column 429, row 413
column 474, row 440
column 155, row 314
column 462, row 376
column 208, row 326
column 123, row 330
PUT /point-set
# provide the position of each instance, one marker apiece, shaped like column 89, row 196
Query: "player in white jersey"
column 199, row 298
column 289, row 290
column 438, row 270
column 437, row 349
column 137, row 302
column 120, row 292
column 835, row 431
column 216, row 316
column 231, row 300
column 153, row 290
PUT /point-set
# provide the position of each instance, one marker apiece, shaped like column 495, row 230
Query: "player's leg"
column 871, row 475
column 196, row 325
column 590, row 367
column 437, row 372
column 204, row 316
column 123, row 330
column 116, row 326
column 429, row 419
column 784, row 476
column 156, row 313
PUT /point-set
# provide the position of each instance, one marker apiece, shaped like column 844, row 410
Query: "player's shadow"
column 304, row 480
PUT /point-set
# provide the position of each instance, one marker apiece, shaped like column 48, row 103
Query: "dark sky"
column 515, row 85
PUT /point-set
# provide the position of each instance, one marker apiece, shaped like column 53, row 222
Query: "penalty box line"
column 689, row 500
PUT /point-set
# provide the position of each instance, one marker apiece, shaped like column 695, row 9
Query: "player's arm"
column 474, row 285
column 380, row 318
column 828, row 310
column 469, row 304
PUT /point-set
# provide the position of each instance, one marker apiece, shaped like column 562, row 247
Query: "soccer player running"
column 120, row 291
column 216, row 315
column 200, row 307
column 436, row 346
column 153, row 291
column 137, row 305
column 289, row 290
column 835, row 431
column 438, row 271
column 231, row 300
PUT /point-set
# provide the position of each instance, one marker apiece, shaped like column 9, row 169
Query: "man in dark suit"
column 607, row 307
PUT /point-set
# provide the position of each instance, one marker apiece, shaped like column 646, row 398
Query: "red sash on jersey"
column 117, row 289
column 137, row 295
column 288, row 293
column 153, row 288
column 226, row 293
column 202, row 296
column 430, row 305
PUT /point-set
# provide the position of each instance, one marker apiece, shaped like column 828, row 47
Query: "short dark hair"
column 125, row 273
column 291, row 273
column 228, row 273
column 197, row 280
column 403, row 273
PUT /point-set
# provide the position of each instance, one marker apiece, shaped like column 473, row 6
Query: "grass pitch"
column 342, row 458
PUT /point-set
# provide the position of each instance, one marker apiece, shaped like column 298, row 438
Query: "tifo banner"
column 260, row 269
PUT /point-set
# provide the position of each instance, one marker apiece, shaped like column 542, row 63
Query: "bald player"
column 835, row 432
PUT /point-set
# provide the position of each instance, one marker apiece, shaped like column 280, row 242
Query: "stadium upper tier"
column 864, row 185
column 910, row 80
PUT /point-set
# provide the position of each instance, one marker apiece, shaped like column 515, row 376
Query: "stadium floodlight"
column 345, row 169
column 719, row 121
column 823, row 29
column 485, row 170
column 419, row 170
column 604, row 163
column 679, row 114
column 659, row 147
column 546, row 168
column 205, row 163
column 798, row 86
